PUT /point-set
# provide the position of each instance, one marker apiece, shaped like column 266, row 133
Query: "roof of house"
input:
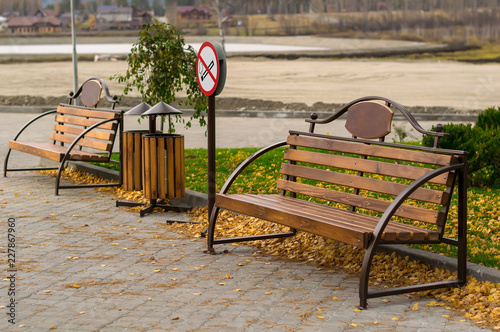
column 28, row 21
column 187, row 9
column 114, row 10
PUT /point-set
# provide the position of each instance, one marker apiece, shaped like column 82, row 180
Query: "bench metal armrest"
column 396, row 203
column 247, row 162
column 31, row 121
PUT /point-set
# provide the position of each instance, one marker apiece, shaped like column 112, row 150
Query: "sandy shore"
column 412, row 83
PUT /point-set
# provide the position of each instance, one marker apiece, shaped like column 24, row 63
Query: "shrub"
column 483, row 144
column 160, row 65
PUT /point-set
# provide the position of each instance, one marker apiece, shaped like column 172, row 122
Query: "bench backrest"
column 89, row 93
column 71, row 121
column 365, row 175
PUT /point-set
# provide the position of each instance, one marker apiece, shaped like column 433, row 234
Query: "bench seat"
column 341, row 225
column 55, row 152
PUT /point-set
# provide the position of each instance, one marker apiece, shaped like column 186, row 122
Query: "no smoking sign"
column 211, row 68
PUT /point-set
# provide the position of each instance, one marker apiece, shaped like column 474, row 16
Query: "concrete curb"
column 197, row 199
column 288, row 114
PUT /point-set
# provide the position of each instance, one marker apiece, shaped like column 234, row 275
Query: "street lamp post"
column 73, row 41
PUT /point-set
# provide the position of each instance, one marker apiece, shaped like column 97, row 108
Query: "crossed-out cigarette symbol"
column 206, row 70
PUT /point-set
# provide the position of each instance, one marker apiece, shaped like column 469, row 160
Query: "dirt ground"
column 303, row 84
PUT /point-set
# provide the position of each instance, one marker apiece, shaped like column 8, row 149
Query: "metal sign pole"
column 211, row 154
column 211, row 76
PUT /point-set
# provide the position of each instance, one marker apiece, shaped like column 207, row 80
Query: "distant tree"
column 159, row 7
column 122, row 3
column 141, row 4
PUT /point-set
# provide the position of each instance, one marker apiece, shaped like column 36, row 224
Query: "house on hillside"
column 193, row 13
column 34, row 24
column 47, row 13
column 113, row 17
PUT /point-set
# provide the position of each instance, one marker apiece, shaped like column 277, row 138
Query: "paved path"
column 84, row 265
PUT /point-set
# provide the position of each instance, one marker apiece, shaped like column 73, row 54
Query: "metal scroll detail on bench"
column 356, row 191
column 78, row 134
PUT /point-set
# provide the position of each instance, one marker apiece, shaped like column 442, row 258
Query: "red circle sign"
column 207, row 69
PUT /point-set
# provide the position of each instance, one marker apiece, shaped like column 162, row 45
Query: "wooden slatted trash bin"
column 132, row 159
column 163, row 163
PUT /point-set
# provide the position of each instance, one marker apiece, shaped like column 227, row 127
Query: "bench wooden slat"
column 54, row 152
column 349, row 180
column 84, row 122
column 401, row 154
column 373, row 204
column 102, row 135
column 98, row 145
column 394, row 231
column 363, row 165
column 370, row 150
column 87, row 112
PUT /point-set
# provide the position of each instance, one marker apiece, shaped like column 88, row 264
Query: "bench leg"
column 58, row 176
column 211, row 229
column 365, row 275
column 5, row 162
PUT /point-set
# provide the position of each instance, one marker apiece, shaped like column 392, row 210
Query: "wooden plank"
column 54, row 152
column 162, row 171
column 85, row 112
column 170, row 168
column 98, row 145
column 91, row 93
column 301, row 221
column 369, row 120
column 153, row 141
column 362, row 165
column 394, row 231
column 364, row 183
column 147, row 167
column 179, row 167
column 101, row 135
column 125, row 166
column 128, row 159
column 137, row 159
column 84, row 122
column 405, row 211
column 370, row 150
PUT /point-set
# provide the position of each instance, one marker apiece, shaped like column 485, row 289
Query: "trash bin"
column 163, row 163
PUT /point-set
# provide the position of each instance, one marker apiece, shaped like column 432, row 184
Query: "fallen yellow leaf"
column 415, row 307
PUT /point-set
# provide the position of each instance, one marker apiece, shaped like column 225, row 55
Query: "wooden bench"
column 360, row 191
column 78, row 134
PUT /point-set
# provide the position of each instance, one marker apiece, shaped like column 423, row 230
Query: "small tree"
column 159, row 66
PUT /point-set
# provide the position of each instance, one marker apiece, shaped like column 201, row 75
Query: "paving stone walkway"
column 83, row 264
